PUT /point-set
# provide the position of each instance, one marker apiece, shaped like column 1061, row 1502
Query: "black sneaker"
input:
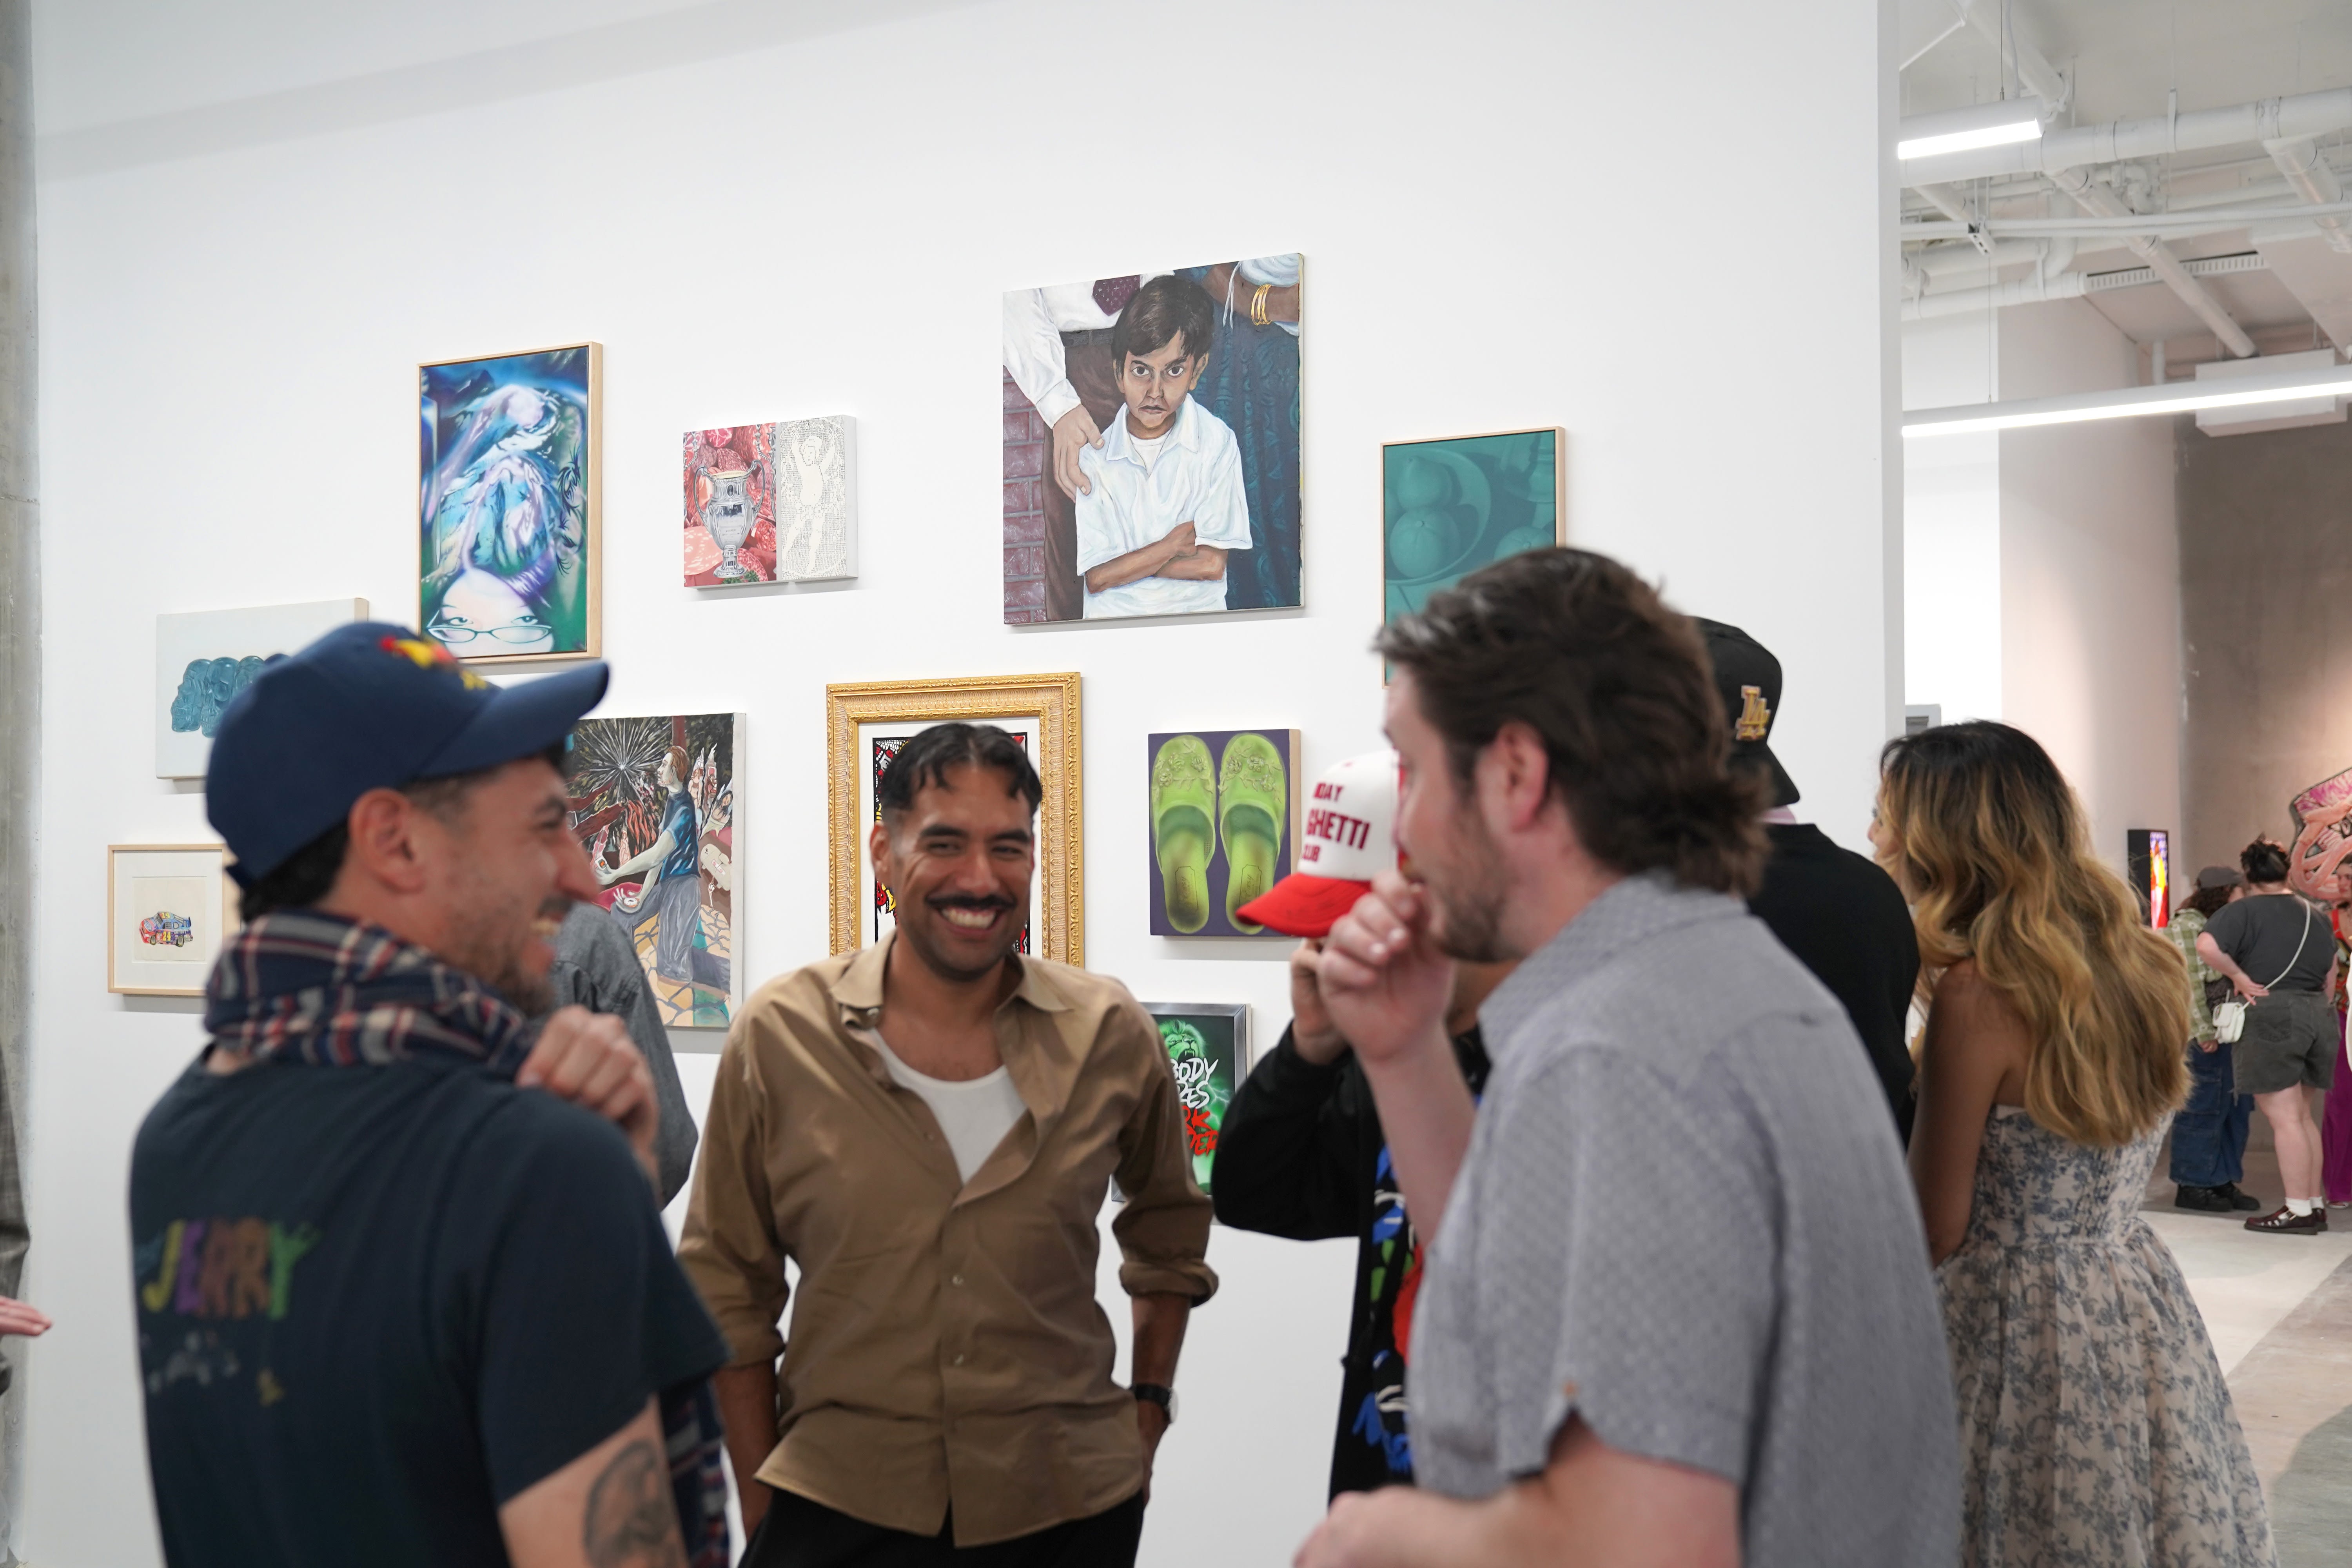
column 2239, row 1198
column 2204, row 1200
column 2284, row 1221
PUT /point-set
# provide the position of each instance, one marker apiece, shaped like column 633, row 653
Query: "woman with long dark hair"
column 2290, row 1036
column 2095, row 1424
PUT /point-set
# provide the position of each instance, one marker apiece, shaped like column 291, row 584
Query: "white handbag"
column 2230, row 1017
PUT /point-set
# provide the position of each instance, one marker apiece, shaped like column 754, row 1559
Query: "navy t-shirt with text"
column 375, row 1303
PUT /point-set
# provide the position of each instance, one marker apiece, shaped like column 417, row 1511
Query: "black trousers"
column 799, row 1533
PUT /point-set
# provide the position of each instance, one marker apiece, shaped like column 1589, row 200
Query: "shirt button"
column 957, row 1281
column 959, row 1361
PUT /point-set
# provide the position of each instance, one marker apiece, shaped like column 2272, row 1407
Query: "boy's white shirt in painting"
column 1197, row 479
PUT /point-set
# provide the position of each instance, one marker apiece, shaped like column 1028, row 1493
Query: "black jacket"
column 1844, row 919
column 1300, row 1155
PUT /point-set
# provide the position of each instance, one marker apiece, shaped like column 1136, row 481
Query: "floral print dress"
column 2095, row 1424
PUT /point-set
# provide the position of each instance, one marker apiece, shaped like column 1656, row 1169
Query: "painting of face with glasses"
column 506, row 514
column 1151, row 443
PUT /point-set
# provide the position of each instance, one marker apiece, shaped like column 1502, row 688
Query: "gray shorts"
column 2290, row 1037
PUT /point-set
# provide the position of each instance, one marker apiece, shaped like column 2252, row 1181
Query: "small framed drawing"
column 1451, row 506
column 1208, row 1046
column 771, row 503
column 203, row 659
column 1223, row 827
column 656, row 803
column 168, row 909
column 866, row 725
column 507, row 557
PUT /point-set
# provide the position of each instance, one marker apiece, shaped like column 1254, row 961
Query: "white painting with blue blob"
column 204, row 658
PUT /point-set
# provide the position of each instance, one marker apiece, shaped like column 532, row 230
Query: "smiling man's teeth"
column 972, row 920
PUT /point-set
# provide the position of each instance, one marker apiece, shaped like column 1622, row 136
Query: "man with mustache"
column 393, row 1306
column 926, row 1128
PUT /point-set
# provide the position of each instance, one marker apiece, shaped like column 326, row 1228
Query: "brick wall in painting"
column 1025, row 509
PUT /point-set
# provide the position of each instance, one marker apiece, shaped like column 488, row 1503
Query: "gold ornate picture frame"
column 1043, row 707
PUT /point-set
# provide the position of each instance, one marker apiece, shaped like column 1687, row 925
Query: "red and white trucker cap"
column 1348, row 838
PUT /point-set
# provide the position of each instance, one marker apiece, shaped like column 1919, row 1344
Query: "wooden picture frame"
column 557, row 604
column 131, row 868
column 1047, row 706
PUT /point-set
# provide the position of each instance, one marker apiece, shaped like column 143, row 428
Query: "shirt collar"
column 1120, row 442
column 858, row 987
column 1634, row 910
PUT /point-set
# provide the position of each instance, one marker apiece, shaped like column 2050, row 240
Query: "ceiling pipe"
column 2294, row 118
column 2032, row 290
column 2313, row 181
column 2111, row 231
column 2101, row 202
column 1948, row 201
column 2034, row 72
column 1944, row 260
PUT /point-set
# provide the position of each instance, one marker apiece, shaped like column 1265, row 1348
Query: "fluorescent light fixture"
column 1965, row 130
column 2131, row 403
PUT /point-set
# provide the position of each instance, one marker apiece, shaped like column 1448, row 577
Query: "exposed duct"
column 2298, row 116
column 2101, row 202
column 2052, row 283
column 2313, row 181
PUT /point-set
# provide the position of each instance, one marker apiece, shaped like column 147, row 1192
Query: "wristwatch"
column 1158, row 1393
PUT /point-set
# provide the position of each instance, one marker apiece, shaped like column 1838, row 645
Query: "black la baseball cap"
column 367, row 706
column 1748, row 678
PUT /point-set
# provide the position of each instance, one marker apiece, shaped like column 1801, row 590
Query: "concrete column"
column 20, row 670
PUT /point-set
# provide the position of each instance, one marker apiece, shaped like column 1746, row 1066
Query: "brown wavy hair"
column 1618, row 688
column 1990, row 842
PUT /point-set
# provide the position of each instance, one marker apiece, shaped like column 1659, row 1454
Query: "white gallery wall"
column 759, row 219
column 2042, row 566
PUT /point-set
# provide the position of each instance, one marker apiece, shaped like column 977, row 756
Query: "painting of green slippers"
column 1223, row 830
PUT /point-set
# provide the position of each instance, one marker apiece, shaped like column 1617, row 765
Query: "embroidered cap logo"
column 433, row 655
column 1755, row 718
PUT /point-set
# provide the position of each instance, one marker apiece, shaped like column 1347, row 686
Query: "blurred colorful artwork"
column 508, row 500
column 2149, row 852
column 2323, row 839
column 204, row 658
column 1223, row 829
column 1449, row 506
column 1151, row 442
column 1208, row 1050
column 653, row 803
column 771, row 503
column 168, row 907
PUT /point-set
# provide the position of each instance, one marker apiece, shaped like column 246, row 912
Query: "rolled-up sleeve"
column 730, row 1249
column 1164, row 1231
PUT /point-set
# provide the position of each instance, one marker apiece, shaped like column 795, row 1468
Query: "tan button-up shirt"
column 946, row 1348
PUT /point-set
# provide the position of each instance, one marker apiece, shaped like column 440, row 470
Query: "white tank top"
column 974, row 1114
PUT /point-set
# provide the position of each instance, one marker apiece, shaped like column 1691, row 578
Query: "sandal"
column 1252, row 789
column 2284, row 1221
column 1183, row 827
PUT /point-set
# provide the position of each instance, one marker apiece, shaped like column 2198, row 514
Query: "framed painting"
column 168, row 909
column 771, row 503
column 1209, row 1049
column 1151, row 443
column 1223, row 826
column 654, row 802
column 508, row 561
column 204, row 658
column 866, row 724
column 1449, row 506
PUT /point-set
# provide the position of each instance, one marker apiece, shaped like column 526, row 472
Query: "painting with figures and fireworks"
column 654, row 803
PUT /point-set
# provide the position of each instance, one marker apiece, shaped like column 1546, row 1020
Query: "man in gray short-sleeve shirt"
column 1743, row 1364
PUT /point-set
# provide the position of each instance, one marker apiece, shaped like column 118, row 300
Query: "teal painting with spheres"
column 1449, row 506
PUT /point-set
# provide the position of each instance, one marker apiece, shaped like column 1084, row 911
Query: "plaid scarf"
column 299, row 987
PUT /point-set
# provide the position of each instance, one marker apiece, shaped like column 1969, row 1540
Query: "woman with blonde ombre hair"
column 2095, row 1424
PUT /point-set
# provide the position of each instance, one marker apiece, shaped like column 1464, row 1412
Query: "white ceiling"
column 2123, row 57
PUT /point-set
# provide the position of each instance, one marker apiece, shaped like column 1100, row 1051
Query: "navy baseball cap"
column 367, row 706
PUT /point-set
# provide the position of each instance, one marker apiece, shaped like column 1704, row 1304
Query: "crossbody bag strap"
column 2299, row 942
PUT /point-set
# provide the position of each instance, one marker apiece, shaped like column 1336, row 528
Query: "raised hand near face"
column 1384, row 984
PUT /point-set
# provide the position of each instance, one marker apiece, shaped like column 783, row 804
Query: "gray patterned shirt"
column 1685, row 1218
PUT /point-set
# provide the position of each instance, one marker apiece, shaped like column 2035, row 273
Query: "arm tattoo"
column 631, row 1520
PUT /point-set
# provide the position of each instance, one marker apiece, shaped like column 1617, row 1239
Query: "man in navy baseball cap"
column 407, row 1302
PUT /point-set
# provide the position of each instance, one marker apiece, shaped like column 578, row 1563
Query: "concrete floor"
column 2279, row 1309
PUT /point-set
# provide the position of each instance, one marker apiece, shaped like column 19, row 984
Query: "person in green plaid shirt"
column 2209, row 1136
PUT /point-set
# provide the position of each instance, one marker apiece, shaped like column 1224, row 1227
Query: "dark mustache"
column 966, row 902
